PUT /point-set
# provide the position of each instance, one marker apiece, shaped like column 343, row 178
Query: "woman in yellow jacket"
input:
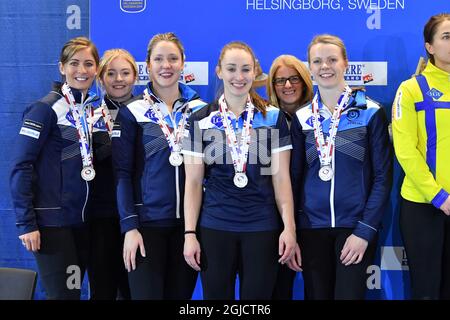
column 421, row 131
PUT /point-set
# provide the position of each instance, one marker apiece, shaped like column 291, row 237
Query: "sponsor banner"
column 365, row 73
column 394, row 258
column 195, row 73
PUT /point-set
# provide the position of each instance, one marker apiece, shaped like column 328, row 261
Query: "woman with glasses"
column 341, row 176
column 239, row 154
column 289, row 87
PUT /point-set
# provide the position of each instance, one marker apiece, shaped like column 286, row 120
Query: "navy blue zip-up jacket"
column 149, row 189
column 45, row 182
column 357, row 195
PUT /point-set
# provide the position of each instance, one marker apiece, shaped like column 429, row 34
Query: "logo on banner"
column 133, row 6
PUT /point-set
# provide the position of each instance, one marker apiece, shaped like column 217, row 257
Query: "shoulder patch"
column 31, row 128
column 31, row 124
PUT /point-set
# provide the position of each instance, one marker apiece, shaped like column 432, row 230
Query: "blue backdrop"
column 383, row 39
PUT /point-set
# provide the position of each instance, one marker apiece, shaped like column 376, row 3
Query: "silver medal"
column 240, row 180
column 326, row 173
column 88, row 173
column 176, row 159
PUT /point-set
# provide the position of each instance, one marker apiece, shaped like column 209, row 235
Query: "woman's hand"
column 446, row 206
column 295, row 263
column 192, row 251
column 353, row 250
column 133, row 241
column 31, row 241
column 286, row 245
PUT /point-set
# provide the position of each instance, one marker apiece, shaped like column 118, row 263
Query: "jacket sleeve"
column 297, row 163
column 381, row 162
column 36, row 126
column 405, row 134
column 123, row 152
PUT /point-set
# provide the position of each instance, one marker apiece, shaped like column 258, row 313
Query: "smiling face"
column 289, row 94
column 119, row 79
column 165, row 65
column 237, row 70
column 327, row 65
column 80, row 70
column 440, row 46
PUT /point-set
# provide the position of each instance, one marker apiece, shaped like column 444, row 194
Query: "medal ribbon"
column 174, row 138
column 325, row 147
column 106, row 114
column 239, row 155
column 84, row 128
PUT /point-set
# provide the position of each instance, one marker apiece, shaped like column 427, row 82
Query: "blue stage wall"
column 383, row 45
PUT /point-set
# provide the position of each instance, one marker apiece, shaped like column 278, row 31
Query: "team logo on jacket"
column 217, row 120
column 151, row 115
column 352, row 114
column 132, row 6
column 100, row 124
column 70, row 118
column 310, row 121
column 435, row 94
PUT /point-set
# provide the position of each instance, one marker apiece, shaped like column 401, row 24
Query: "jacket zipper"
column 83, row 218
column 333, row 217
column 88, row 100
column 177, row 188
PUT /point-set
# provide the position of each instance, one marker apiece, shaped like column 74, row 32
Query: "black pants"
column 426, row 236
column 284, row 286
column 62, row 261
column 163, row 273
column 325, row 277
column 254, row 255
column 108, row 279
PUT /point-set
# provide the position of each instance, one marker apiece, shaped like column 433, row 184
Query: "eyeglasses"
column 280, row 82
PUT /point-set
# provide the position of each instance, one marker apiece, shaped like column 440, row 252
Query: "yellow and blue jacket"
column 421, row 131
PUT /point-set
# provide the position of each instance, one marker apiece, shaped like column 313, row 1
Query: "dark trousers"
column 426, row 236
column 254, row 255
column 62, row 261
column 163, row 273
column 325, row 277
column 108, row 279
column 284, row 285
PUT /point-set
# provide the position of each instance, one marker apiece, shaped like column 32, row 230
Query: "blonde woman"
column 341, row 175
column 117, row 74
